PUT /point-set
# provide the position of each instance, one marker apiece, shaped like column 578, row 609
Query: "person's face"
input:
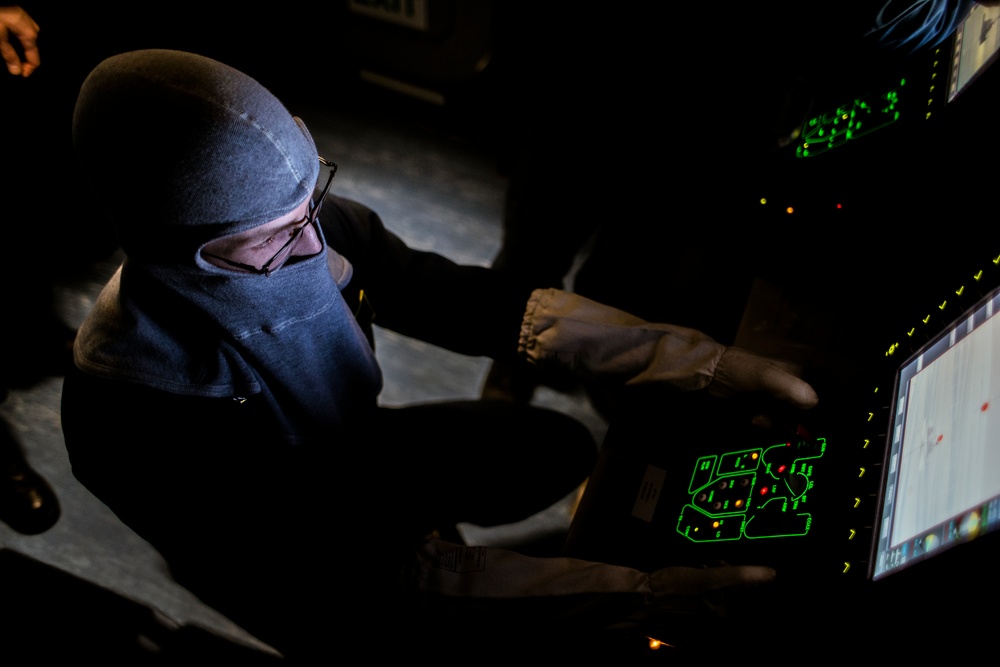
column 256, row 246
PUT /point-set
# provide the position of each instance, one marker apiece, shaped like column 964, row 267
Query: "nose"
column 309, row 244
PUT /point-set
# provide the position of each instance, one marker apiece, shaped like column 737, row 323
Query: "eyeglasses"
column 284, row 252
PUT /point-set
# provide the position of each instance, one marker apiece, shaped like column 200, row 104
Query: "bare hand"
column 16, row 24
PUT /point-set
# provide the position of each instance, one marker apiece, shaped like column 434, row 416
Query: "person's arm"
column 595, row 340
column 504, row 594
column 17, row 28
column 423, row 295
column 473, row 310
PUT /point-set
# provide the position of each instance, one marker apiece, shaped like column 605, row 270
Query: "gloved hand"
column 595, row 340
column 595, row 595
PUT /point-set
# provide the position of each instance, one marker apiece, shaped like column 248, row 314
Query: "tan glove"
column 474, row 575
column 595, row 340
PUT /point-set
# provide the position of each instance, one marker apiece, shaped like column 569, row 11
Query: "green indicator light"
column 726, row 492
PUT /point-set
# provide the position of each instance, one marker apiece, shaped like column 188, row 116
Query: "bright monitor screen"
column 942, row 484
column 974, row 48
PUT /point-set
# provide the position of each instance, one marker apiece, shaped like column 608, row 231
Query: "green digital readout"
column 849, row 121
column 752, row 494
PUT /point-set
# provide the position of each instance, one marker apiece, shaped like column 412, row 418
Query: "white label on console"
column 649, row 493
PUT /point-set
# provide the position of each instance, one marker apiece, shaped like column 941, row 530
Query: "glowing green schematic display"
column 849, row 122
column 752, row 494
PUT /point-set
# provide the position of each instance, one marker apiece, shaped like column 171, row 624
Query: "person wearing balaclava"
column 225, row 406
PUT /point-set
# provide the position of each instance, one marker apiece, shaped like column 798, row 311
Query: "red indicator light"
column 763, row 491
column 940, row 437
column 986, row 406
column 840, row 206
column 781, row 468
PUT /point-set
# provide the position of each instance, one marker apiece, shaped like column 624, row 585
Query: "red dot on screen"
column 940, row 437
column 986, row 406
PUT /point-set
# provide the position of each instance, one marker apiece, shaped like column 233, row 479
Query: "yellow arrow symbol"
column 857, row 501
column 866, row 443
column 847, row 566
column 870, row 415
column 853, row 533
column 862, row 473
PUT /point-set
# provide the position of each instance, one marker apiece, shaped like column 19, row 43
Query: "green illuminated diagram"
column 849, row 122
column 752, row 494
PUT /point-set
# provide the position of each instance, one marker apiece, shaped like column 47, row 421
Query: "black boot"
column 27, row 503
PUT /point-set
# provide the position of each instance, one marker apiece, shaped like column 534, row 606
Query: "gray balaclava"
column 181, row 150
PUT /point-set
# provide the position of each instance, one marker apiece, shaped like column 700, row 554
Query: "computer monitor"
column 942, row 482
column 974, row 47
